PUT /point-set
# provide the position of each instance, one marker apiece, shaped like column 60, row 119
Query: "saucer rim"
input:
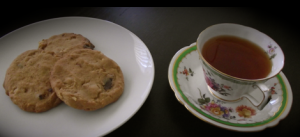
column 270, row 122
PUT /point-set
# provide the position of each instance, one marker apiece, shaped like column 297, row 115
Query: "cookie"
column 27, row 81
column 65, row 42
column 87, row 80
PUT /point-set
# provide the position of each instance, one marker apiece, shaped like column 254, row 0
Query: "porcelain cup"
column 229, row 88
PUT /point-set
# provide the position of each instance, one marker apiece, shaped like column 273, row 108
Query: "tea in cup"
column 237, row 59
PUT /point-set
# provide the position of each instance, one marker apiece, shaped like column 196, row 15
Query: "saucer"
column 185, row 75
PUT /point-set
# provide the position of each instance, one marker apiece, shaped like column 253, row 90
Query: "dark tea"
column 237, row 57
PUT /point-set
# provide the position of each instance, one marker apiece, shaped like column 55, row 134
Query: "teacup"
column 231, row 88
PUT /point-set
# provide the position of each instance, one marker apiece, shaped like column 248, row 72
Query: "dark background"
column 165, row 30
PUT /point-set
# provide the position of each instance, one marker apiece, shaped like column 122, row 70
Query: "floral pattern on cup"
column 220, row 88
column 271, row 51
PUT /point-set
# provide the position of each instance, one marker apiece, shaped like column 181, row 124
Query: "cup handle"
column 266, row 94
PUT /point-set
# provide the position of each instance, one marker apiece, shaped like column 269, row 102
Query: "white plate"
column 188, row 83
column 113, row 40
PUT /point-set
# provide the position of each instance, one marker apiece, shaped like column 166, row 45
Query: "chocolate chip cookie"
column 65, row 42
column 87, row 79
column 27, row 81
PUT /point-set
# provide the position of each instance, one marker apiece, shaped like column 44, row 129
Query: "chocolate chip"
column 50, row 90
column 92, row 46
column 88, row 46
column 41, row 97
column 108, row 84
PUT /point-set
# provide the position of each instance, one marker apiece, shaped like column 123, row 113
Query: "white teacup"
column 229, row 88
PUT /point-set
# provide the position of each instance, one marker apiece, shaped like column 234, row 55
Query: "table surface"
column 165, row 30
